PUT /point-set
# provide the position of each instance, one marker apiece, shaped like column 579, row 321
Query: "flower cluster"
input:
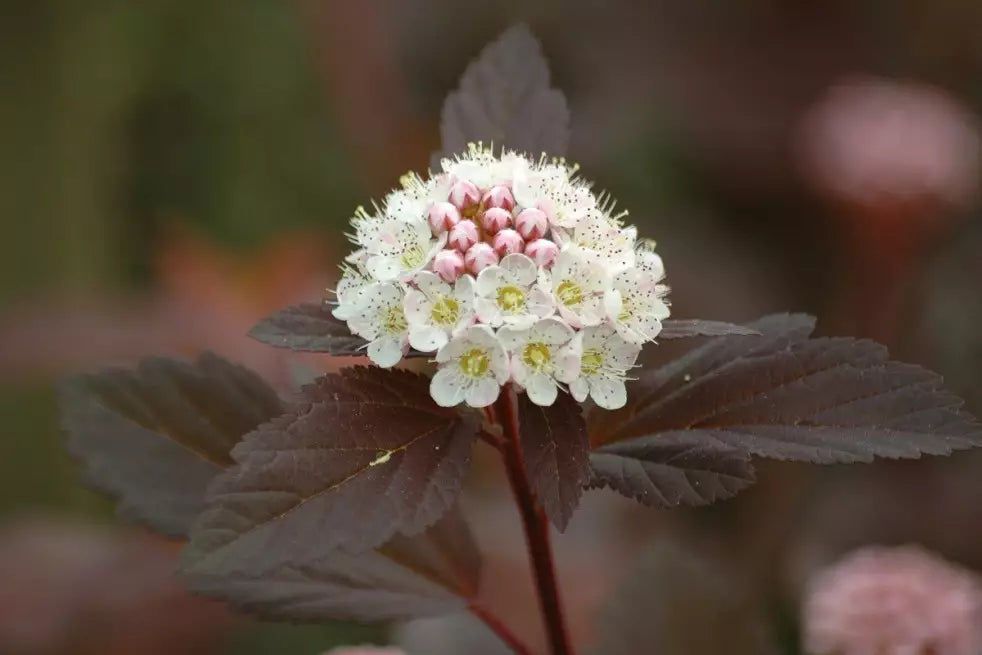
column 893, row 600
column 508, row 269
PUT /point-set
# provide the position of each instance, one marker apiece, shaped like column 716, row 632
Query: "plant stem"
column 534, row 522
column 499, row 628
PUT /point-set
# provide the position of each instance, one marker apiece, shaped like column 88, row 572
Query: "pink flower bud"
column 499, row 196
column 463, row 235
column 464, row 194
column 448, row 264
column 442, row 217
column 479, row 257
column 542, row 251
column 531, row 223
column 508, row 241
column 496, row 219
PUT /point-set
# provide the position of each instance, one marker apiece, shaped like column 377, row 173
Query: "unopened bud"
column 479, row 257
column 448, row 264
column 498, row 196
column 463, row 235
column 508, row 241
column 531, row 223
column 464, row 194
column 543, row 252
column 496, row 219
column 442, row 217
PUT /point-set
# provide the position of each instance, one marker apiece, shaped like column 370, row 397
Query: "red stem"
column 499, row 628
column 535, row 523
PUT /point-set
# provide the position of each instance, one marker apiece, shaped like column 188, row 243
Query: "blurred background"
column 173, row 170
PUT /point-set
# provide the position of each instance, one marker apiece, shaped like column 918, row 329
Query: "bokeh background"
column 173, row 170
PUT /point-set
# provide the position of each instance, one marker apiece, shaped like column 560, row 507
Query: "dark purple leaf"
column 505, row 99
column 785, row 396
column 429, row 574
column 362, row 454
column 555, row 448
column 680, row 329
column 153, row 438
column 672, row 469
column 312, row 328
column 676, row 602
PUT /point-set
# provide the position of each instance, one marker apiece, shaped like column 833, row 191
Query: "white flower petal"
column 483, row 392
column 520, row 269
column 550, row 331
column 541, row 389
column 427, row 338
column 448, row 386
column 430, row 284
column 488, row 311
column 608, row 393
column 386, row 351
column 418, row 308
column 489, row 280
column 579, row 389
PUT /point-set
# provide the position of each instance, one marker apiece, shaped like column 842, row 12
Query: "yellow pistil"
column 592, row 362
column 511, row 298
column 536, row 356
column 446, row 311
column 394, row 321
column 474, row 363
column 412, row 257
column 569, row 293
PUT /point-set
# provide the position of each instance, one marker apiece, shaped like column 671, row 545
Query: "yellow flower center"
column 394, row 321
column 446, row 311
column 626, row 310
column 412, row 257
column 536, row 356
column 592, row 362
column 474, row 363
column 511, row 298
column 569, row 293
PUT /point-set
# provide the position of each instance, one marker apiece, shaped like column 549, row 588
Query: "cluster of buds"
column 510, row 270
column 482, row 228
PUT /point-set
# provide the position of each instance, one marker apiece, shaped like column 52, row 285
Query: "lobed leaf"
column 308, row 328
column 680, row 329
column 505, row 99
column 785, row 396
column 432, row 573
column 555, row 447
column 362, row 454
column 153, row 438
column 311, row 327
column 678, row 603
column 672, row 469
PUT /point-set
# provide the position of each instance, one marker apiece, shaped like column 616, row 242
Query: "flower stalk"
column 535, row 524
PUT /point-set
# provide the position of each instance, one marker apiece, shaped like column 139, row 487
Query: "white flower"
column 605, row 360
column 349, row 292
column 380, row 319
column 436, row 311
column 397, row 248
column 648, row 260
column 539, row 358
column 578, row 286
column 507, row 294
column 601, row 237
column 564, row 292
column 635, row 305
column 473, row 366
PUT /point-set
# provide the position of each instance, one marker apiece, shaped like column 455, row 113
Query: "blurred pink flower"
column 871, row 140
column 893, row 601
